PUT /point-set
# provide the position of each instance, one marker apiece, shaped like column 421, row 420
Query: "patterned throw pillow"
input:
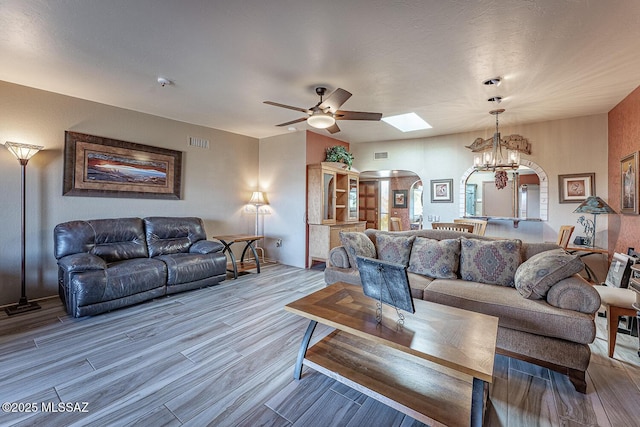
column 357, row 244
column 435, row 258
column 492, row 262
column 539, row 273
column 394, row 248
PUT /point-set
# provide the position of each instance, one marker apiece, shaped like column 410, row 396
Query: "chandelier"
column 497, row 154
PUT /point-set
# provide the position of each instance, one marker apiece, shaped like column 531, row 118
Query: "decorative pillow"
column 539, row 273
column 492, row 262
column 435, row 258
column 357, row 243
column 394, row 248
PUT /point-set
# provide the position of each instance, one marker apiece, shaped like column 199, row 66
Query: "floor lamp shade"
column 23, row 153
column 258, row 198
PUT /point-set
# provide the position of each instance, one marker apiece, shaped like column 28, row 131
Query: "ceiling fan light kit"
column 321, row 120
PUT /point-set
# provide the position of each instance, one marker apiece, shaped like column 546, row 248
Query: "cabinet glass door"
column 353, row 199
column 328, row 197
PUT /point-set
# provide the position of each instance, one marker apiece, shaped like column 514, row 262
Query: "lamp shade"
column 258, row 198
column 594, row 205
column 22, row 151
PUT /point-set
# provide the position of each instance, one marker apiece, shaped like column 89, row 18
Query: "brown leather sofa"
column 105, row 264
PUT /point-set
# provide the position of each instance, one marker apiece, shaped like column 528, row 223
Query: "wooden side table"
column 249, row 240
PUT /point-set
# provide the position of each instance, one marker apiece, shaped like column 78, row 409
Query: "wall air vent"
column 198, row 142
column 380, row 156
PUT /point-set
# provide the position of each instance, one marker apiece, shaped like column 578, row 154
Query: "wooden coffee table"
column 435, row 368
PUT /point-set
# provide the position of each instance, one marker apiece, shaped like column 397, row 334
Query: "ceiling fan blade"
column 302, row 119
column 334, row 128
column 276, row 104
column 357, row 115
column 335, row 100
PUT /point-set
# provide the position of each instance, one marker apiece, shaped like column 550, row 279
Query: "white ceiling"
column 558, row 58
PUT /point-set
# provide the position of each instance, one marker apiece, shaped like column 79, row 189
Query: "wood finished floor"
column 223, row 356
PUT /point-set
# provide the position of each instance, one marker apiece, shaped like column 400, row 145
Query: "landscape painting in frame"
column 102, row 167
column 629, row 184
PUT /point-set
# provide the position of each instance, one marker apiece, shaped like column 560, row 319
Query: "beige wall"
column 217, row 182
column 560, row 147
column 283, row 175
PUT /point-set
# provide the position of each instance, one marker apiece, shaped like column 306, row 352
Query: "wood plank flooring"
column 224, row 355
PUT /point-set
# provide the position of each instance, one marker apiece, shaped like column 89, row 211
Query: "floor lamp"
column 23, row 153
column 258, row 198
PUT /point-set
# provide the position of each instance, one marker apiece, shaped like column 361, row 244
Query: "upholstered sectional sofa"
column 546, row 310
column 105, row 264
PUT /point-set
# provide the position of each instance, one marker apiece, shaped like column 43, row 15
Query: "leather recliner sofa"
column 105, row 264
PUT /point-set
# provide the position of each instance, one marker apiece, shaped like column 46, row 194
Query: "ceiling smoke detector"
column 164, row 82
column 492, row 82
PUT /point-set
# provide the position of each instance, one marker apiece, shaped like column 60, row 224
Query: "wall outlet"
column 278, row 243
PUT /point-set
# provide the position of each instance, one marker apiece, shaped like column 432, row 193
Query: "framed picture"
column 103, row 167
column 400, row 198
column 441, row 190
column 575, row 188
column 629, row 184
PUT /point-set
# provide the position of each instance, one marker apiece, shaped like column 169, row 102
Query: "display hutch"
column 332, row 207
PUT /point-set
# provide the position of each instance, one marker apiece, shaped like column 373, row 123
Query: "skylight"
column 407, row 122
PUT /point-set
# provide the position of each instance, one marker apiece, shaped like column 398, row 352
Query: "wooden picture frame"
column 102, row 167
column 629, row 184
column 400, row 198
column 441, row 191
column 576, row 187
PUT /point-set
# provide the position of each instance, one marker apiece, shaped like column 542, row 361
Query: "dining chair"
column 564, row 235
column 452, row 226
column 479, row 225
column 395, row 224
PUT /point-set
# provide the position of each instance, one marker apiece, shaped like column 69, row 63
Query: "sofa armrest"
column 206, row 247
column 81, row 262
column 574, row 293
column 338, row 257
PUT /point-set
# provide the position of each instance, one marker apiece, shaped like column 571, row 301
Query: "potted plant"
column 338, row 153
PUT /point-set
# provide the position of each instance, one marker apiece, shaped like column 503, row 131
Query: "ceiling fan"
column 324, row 114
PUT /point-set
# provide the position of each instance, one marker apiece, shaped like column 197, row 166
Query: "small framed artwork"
column 400, row 198
column 629, row 184
column 575, row 188
column 441, row 190
column 101, row 167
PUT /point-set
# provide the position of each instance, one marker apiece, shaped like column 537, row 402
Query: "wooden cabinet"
column 332, row 194
column 332, row 206
column 323, row 238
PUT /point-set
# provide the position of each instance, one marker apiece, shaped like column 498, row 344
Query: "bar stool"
column 618, row 302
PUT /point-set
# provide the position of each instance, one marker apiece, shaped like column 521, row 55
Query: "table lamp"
column 596, row 206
